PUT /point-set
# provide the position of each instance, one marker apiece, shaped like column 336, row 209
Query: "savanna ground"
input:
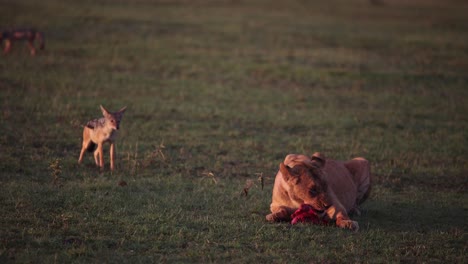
column 218, row 92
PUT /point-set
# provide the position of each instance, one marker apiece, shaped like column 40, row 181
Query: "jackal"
column 30, row 35
column 99, row 131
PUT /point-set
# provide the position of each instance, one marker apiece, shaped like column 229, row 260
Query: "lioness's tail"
column 40, row 38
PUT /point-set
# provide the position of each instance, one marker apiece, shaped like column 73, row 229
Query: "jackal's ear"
column 104, row 111
column 319, row 159
column 121, row 111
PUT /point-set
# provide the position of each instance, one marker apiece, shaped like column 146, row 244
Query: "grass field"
column 217, row 94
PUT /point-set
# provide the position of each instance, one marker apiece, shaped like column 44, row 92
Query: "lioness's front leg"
column 280, row 214
column 348, row 224
column 342, row 219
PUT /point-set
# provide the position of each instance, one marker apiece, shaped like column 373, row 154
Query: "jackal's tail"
column 91, row 147
column 40, row 38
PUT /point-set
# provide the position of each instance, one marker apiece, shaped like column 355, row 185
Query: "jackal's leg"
column 112, row 155
column 85, row 144
column 96, row 157
column 99, row 152
column 7, row 46
column 83, row 149
column 32, row 49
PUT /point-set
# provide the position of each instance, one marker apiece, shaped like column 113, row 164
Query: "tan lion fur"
column 334, row 187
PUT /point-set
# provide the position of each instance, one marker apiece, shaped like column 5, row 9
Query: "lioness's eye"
column 313, row 192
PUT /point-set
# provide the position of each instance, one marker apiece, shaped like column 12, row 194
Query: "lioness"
column 333, row 188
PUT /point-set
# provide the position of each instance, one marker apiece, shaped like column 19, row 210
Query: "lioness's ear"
column 288, row 174
column 319, row 159
column 285, row 170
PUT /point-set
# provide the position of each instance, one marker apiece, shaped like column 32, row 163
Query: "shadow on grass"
column 413, row 216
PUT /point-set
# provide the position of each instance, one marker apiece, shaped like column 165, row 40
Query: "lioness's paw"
column 349, row 224
column 270, row 218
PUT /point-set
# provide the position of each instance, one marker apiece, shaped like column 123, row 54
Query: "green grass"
column 218, row 93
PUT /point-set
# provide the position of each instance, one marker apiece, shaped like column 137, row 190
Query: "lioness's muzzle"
column 322, row 211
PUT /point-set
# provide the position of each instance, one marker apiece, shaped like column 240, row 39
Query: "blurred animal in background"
column 333, row 189
column 29, row 35
column 99, row 131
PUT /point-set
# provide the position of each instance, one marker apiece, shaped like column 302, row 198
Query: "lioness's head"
column 306, row 180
